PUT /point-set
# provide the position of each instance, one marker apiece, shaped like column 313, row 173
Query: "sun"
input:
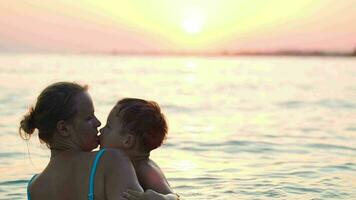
column 192, row 21
column 192, row 26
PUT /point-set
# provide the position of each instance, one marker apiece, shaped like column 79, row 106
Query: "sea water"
column 239, row 127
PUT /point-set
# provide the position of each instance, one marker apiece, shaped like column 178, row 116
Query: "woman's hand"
column 148, row 195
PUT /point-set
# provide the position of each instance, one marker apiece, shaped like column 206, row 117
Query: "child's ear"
column 62, row 128
column 129, row 141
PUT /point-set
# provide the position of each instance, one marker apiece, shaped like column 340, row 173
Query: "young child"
column 137, row 127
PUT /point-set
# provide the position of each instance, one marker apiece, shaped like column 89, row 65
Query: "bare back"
column 67, row 177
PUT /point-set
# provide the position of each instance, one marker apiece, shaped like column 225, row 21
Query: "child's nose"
column 101, row 130
column 98, row 123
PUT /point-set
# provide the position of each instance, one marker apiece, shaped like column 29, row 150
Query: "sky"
column 176, row 25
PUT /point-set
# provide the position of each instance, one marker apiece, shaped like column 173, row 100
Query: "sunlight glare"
column 191, row 65
column 186, row 165
column 192, row 21
column 192, row 26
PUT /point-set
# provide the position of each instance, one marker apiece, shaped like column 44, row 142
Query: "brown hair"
column 55, row 103
column 144, row 119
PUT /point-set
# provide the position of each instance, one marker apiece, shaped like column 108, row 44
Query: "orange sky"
column 176, row 25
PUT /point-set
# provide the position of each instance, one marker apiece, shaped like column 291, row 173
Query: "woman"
column 65, row 120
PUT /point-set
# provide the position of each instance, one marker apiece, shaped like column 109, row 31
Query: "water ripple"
column 16, row 182
column 176, row 108
column 300, row 189
column 342, row 167
column 292, row 104
column 330, row 146
column 326, row 103
column 10, row 154
column 336, row 103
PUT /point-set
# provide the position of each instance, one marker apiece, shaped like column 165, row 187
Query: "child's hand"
column 147, row 195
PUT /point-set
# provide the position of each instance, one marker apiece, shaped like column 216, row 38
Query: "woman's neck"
column 63, row 145
column 56, row 152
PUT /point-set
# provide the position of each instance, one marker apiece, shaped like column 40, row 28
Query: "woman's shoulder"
column 37, row 185
column 111, row 157
column 31, row 181
column 111, row 152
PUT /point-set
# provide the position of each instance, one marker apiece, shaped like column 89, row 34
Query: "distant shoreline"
column 295, row 53
column 234, row 53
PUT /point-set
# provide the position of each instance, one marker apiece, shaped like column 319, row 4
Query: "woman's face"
column 85, row 125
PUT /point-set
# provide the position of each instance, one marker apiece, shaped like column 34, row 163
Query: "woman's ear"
column 62, row 128
column 129, row 141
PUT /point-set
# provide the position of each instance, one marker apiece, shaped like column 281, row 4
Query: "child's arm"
column 151, row 177
column 154, row 182
column 149, row 195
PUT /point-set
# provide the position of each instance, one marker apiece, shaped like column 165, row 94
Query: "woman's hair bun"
column 27, row 124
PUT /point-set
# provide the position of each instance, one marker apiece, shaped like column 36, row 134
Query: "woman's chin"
column 95, row 144
column 101, row 145
column 89, row 148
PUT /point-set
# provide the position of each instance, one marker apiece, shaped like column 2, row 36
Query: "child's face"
column 112, row 135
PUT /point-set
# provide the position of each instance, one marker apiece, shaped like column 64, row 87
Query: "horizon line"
column 227, row 53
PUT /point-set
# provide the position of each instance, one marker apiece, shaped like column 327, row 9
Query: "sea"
column 245, row 127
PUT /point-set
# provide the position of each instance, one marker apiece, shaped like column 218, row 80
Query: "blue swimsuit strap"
column 92, row 174
column 28, row 187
